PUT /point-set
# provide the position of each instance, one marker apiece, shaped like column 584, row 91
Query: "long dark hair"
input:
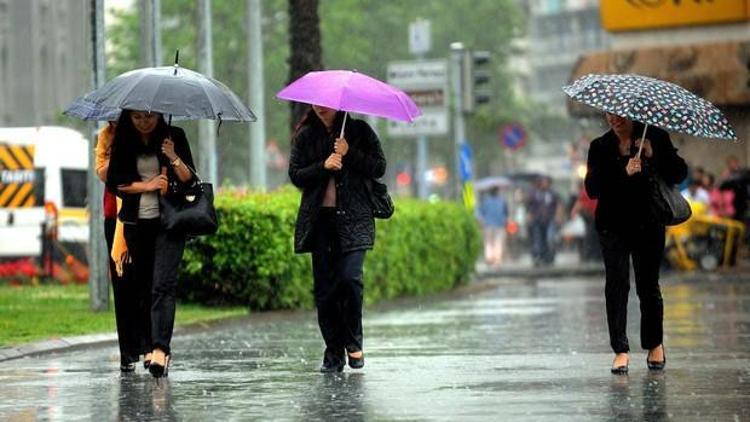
column 127, row 143
column 310, row 119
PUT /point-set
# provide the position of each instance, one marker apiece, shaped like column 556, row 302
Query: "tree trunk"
column 304, row 46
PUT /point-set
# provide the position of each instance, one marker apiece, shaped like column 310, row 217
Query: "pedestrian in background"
column 620, row 182
column 148, row 159
column 737, row 179
column 130, row 336
column 493, row 216
column 543, row 208
column 335, row 223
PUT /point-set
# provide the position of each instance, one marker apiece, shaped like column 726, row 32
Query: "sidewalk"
column 566, row 264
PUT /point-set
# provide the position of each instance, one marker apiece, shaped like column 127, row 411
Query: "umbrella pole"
column 640, row 148
column 343, row 124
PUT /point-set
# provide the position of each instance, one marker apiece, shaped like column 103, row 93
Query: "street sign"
column 466, row 162
column 512, row 136
column 420, row 37
column 426, row 82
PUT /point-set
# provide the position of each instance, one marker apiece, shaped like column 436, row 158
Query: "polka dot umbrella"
column 652, row 102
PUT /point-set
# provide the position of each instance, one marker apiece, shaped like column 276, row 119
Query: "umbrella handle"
column 640, row 148
column 343, row 124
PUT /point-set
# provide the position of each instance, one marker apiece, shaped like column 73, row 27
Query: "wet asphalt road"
column 518, row 351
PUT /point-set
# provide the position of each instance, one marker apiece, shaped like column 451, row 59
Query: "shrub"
column 423, row 248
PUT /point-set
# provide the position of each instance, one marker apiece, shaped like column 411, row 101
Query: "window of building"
column 74, row 189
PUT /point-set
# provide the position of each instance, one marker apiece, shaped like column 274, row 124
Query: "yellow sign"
column 16, row 176
column 626, row 15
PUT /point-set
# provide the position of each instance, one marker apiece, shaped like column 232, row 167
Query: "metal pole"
column 98, row 258
column 459, row 126
column 255, row 84
column 146, row 26
column 156, row 32
column 422, row 160
column 207, row 165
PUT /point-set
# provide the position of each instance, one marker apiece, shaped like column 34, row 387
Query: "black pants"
column 338, row 290
column 646, row 246
column 129, row 317
column 156, row 258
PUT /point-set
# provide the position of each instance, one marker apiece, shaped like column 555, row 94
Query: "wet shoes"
column 358, row 362
column 657, row 366
column 328, row 368
column 620, row 369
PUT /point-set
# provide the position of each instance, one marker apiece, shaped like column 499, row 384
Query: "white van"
column 40, row 165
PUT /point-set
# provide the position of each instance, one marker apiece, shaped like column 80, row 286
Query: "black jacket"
column 365, row 160
column 623, row 199
column 123, row 170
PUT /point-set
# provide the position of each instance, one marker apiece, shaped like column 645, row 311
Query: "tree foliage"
column 362, row 35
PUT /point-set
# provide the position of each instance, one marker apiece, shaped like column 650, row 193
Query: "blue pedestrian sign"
column 512, row 136
column 465, row 162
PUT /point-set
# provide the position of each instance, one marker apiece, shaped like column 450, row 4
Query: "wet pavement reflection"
column 535, row 350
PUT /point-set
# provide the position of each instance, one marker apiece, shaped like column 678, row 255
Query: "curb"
column 549, row 272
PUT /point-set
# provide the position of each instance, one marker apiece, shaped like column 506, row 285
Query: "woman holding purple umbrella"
column 618, row 178
column 335, row 222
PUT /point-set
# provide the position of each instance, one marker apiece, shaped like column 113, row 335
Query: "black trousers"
column 645, row 244
column 130, row 319
column 156, row 258
column 338, row 290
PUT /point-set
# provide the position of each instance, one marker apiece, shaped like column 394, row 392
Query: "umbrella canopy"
column 653, row 102
column 492, row 182
column 86, row 110
column 172, row 90
column 353, row 92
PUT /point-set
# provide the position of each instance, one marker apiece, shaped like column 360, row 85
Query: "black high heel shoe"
column 657, row 366
column 158, row 370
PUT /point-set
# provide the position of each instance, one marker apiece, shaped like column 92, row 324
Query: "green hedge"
column 424, row 248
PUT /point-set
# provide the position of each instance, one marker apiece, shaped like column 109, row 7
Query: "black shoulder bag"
column 191, row 210
column 667, row 205
column 380, row 201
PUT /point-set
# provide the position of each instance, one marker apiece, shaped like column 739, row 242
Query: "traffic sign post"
column 425, row 81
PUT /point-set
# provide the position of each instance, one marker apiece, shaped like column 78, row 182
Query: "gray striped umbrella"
column 652, row 102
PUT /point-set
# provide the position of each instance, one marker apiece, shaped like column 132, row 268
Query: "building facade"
column 45, row 59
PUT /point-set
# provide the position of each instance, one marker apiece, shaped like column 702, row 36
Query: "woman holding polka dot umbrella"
column 639, row 110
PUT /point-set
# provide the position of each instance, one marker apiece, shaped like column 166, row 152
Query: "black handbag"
column 667, row 205
column 380, row 201
column 190, row 211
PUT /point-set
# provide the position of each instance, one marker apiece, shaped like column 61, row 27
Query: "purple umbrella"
column 351, row 92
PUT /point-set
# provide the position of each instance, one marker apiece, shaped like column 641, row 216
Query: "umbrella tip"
column 177, row 57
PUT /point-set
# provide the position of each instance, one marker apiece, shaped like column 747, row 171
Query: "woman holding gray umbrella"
column 618, row 177
column 150, row 159
column 335, row 222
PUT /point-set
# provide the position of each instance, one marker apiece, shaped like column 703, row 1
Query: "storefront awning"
column 718, row 72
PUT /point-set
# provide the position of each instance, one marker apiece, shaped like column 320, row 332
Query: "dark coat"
column 623, row 199
column 311, row 146
column 123, row 170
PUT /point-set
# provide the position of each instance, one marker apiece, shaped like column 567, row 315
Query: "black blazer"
column 365, row 160
column 123, row 170
column 623, row 199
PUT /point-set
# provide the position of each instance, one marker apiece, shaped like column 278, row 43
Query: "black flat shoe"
column 356, row 363
column 620, row 370
column 657, row 366
column 127, row 367
column 328, row 368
